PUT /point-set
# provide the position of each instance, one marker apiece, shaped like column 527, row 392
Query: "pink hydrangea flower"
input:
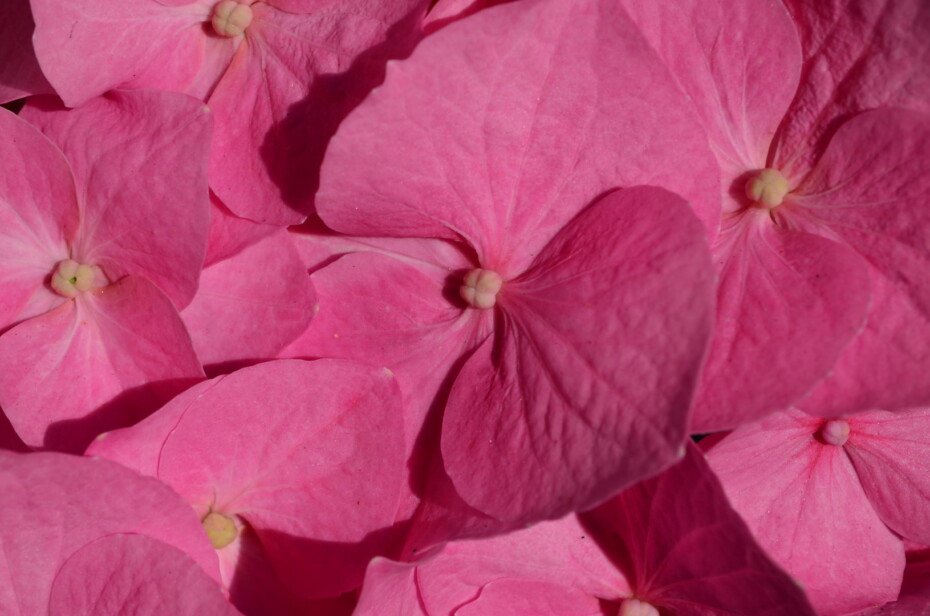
column 85, row 534
column 819, row 494
column 102, row 235
column 574, row 327
column 822, row 256
column 278, row 75
column 670, row 545
column 293, row 467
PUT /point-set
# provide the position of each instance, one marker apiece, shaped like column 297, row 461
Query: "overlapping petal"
column 20, row 75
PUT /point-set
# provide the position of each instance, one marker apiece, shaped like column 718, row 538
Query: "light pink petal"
column 319, row 483
column 390, row 590
column 688, row 551
column 251, row 305
column 394, row 312
column 859, row 54
column 38, row 217
column 140, row 160
column 230, row 234
column 133, row 574
column 94, row 364
column 55, row 504
column 507, row 597
column 87, row 47
column 20, row 75
column 914, row 599
column 805, row 505
column 788, row 303
column 502, row 127
column 274, row 116
column 586, row 386
column 739, row 62
column 891, row 455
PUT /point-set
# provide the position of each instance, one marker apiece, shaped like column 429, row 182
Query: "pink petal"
column 864, row 189
column 38, row 217
column 739, row 63
column 500, row 129
column 688, row 551
column 507, row 597
column 891, row 455
column 914, row 599
column 393, row 312
column 273, row 116
column 139, row 160
column 586, row 387
column 250, row 306
column 390, row 590
column 230, row 234
column 132, row 574
column 319, row 483
column 55, row 504
column 87, row 47
column 859, row 54
column 806, row 507
column 788, row 303
column 94, row 364
column 20, row 75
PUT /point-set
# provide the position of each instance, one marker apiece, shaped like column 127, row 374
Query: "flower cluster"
column 412, row 308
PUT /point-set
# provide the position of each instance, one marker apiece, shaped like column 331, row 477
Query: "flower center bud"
column 220, row 529
column 767, row 189
column 480, row 288
column 71, row 278
column 835, row 432
column 231, row 18
column 635, row 607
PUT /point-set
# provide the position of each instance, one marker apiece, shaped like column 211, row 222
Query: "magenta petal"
column 891, row 455
column 914, row 599
column 507, row 597
column 53, row 505
column 87, row 47
column 502, row 127
column 94, row 364
column 38, row 217
column 859, row 54
column 390, row 590
column 139, row 159
column 587, row 385
column 688, row 551
column 251, row 305
column 319, row 483
column 805, row 505
column 739, row 62
column 20, row 75
column 133, row 574
column 788, row 303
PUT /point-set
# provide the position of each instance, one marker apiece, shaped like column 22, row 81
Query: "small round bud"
column 767, row 188
column 71, row 278
column 231, row 18
column 220, row 529
column 480, row 288
column 835, row 432
column 636, row 607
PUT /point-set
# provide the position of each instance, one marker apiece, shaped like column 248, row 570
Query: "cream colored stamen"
column 836, row 432
column 767, row 189
column 220, row 529
column 71, row 278
column 480, row 288
column 231, row 18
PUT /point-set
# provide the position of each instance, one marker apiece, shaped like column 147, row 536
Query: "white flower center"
column 767, row 188
column 636, row 607
column 836, row 432
column 480, row 288
column 71, row 278
column 231, row 18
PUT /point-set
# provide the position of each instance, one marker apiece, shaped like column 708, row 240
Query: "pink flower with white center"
column 820, row 494
column 567, row 329
column 294, row 468
column 278, row 75
column 86, row 536
column 670, row 545
column 102, row 235
column 822, row 255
